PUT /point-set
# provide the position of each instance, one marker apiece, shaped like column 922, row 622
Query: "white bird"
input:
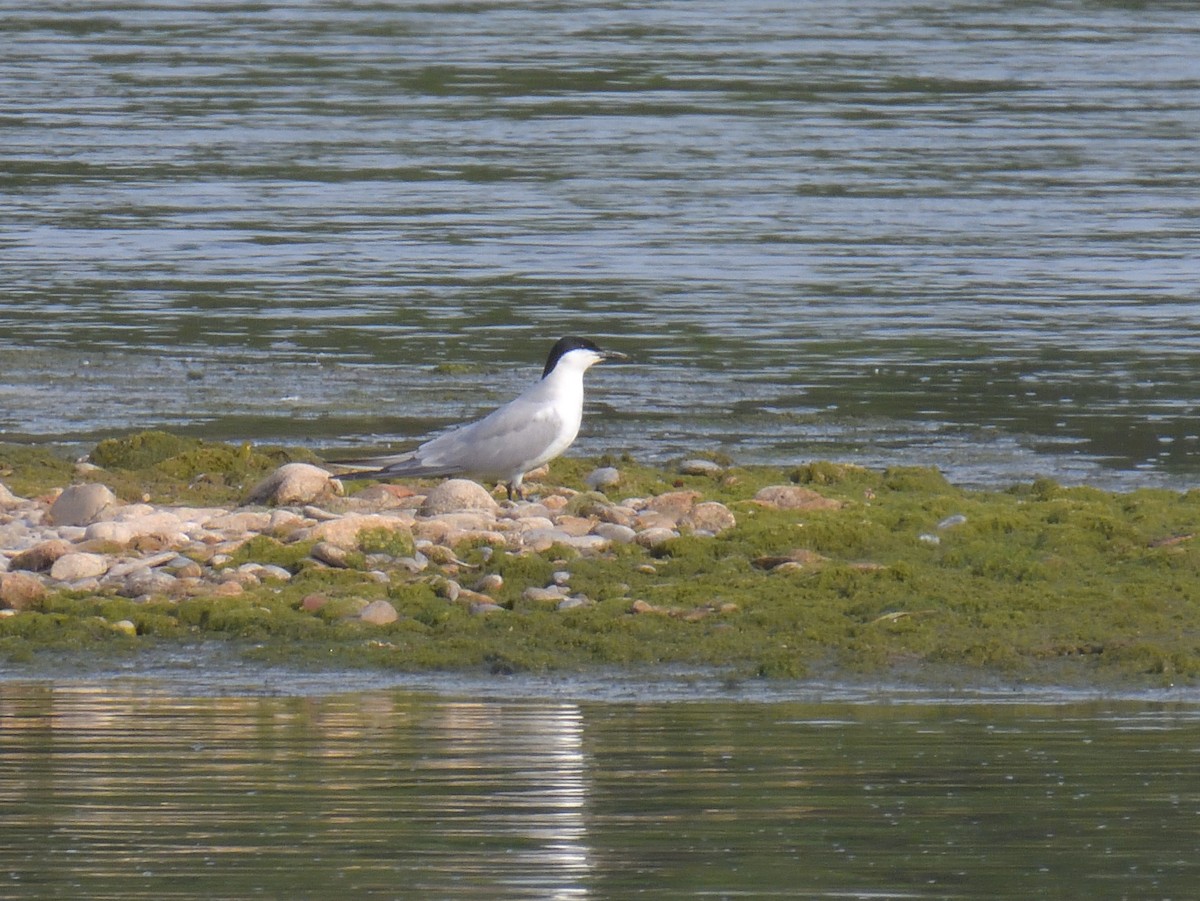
column 526, row 432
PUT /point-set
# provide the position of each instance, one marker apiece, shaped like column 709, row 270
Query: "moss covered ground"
column 911, row 578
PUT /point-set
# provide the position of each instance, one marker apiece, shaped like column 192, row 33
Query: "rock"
column 465, row 521
column 588, row 544
column 483, row 608
column 384, row 496
column 795, row 497
column 699, row 468
column 538, row 540
column 575, row 525
column 673, row 503
column 652, row 538
column 134, row 523
column 344, row 530
column 522, row 510
column 189, row 570
column 379, row 613
column 710, row 517
column 604, row 477
column 80, row 505
column 311, row 603
column 41, row 556
column 19, row 591
column 576, row 600
column 561, row 577
column 241, row 521
column 490, row 583
column 8, row 499
column 75, row 566
column 284, row 522
column 455, row 495
column 110, row 533
column 330, row 554
column 149, row 581
column 554, row 593
column 294, row 484
column 797, row 559
column 615, row 533
column 125, row 626
column 124, row 568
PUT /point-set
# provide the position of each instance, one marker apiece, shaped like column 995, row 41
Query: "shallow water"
column 189, row 788
column 891, row 233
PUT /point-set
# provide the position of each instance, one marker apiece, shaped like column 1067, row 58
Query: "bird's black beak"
column 612, row 355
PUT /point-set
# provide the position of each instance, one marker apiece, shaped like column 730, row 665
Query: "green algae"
column 909, row 576
column 154, row 466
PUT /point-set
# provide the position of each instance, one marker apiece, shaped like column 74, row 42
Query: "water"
column 127, row 788
column 886, row 232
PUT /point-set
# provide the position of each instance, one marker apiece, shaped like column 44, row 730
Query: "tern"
column 523, row 434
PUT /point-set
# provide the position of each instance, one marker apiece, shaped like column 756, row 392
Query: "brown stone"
column 41, row 557
column 19, row 591
column 795, row 497
column 379, row 613
column 709, row 517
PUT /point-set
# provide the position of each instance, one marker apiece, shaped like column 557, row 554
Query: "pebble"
column 699, row 468
column 79, row 505
column 454, row 495
column 379, row 613
column 330, row 554
column 604, row 477
column 295, row 483
column 482, row 608
column 490, row 583
column 41, row 556
column 795, row 497
column 552, row 593
column 20, row 591
column 75, row 567
column 85, row 538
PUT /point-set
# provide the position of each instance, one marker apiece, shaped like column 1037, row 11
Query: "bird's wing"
column 508, row 439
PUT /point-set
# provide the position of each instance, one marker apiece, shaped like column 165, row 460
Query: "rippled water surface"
column 892, row 232
column 125, row 789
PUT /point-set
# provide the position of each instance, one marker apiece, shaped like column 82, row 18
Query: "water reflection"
column 124, row 790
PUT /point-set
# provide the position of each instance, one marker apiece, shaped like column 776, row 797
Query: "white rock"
column 614, row 532
column 454, row 495
column 699, row 468
column 344, row 531
column 295, row 484
column 655, row 536
column 709, row 517
column 240, row 521
column 8, row 499
column 149, row 581
column 79, row 505
column 466, row 520
column 74, row 567
column 379, row 613
column 604, row 477
column 551, row 593
column 588, row 544
column 542, row 539
column 116, row 532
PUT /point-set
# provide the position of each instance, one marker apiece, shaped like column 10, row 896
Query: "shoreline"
column 821, row 571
